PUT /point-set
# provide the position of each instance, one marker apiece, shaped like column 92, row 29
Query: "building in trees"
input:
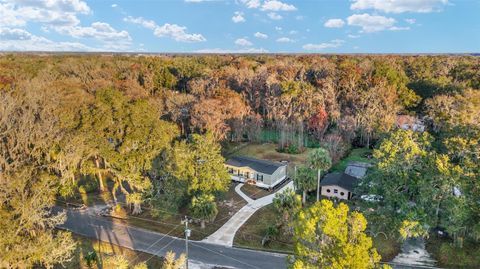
column 262, row 173
column 338, row 185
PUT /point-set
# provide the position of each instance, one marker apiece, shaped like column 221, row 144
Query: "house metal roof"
column 262, row 166
column 340, row 179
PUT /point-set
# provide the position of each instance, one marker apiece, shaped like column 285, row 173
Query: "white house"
column 262, row 173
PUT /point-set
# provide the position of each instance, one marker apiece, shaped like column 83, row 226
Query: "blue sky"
column 310, row 26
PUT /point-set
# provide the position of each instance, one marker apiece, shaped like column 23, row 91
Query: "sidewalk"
column 224, row 235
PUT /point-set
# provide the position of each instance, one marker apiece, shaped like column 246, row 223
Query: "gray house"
column 262, row 173
column 338, row 185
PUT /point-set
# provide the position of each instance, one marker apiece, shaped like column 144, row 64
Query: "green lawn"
column 268, row 151
column 105, row 251
column 449, row 256
column 357, row 155
column 251, row 233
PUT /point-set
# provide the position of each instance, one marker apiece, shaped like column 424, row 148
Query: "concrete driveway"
column 224, row 235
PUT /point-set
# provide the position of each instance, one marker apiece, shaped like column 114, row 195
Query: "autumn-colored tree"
column 212, row 114
column 29, row 133
column 318, row 123
column 172, row 263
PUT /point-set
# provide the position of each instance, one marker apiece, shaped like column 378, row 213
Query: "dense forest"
column 153, row 128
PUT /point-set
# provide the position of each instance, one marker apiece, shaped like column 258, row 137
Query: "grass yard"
column 227, row 206
column 268, row 151
column 449, row 256
column 251, row 233
column 105, row 253
column 357, row 155
column 254, row 192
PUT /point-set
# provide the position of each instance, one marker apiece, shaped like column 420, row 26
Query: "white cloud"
column 278, row 28
column 353, row 36
column 334, row 23
column 251, row 3
column 275, row 5
column 21, row 40
column 143, row 22
column 399, row 28
column 399, row 6
column 238, row 17
column 332, row 44
column 293, row 32
column 114, row 5
column 174, row 31
column 60, row 16
column 260, row 35
column 243, row 42
column 285, row 40
column 371, row 23
column 177, row 33
column 221, row 51
column 48, row 12
column 98, row 30
column 274, row 16
column 410, row 21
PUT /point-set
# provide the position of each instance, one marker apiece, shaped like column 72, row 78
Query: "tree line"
column 150, row 127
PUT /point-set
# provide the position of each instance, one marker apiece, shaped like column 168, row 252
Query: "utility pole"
column 187, row 235
column 295, row 178
column 318, row 185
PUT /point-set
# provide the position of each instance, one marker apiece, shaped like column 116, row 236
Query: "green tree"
column 332, row 237
column 204, row 208
column 124, row 137
column 305, row 180
column 287, row 203
column 200, row 163
column 320, row 160
column 416, row 184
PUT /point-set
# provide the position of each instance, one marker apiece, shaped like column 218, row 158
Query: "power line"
column 194, row 229
column 221, row 254
column 154, row 243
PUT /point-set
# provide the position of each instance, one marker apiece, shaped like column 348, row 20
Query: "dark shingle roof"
column 340, row 179
column 262, row 166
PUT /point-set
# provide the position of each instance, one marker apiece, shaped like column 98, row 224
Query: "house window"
column 247, row 175
column 335, row 191
column 342, row 193
column 328, row 190
column 259, row 177
column 231, row 171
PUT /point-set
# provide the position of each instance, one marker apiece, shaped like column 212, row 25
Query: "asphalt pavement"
column 203, row 255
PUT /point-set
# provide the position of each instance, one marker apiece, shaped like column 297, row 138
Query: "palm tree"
column 319, row 160
column 305, row 181
column 203, row 207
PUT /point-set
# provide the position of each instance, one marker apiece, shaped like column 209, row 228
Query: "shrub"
column 118, row 211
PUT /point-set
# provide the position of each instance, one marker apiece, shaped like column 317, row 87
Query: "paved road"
column 203, row 255
column 224, row 235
